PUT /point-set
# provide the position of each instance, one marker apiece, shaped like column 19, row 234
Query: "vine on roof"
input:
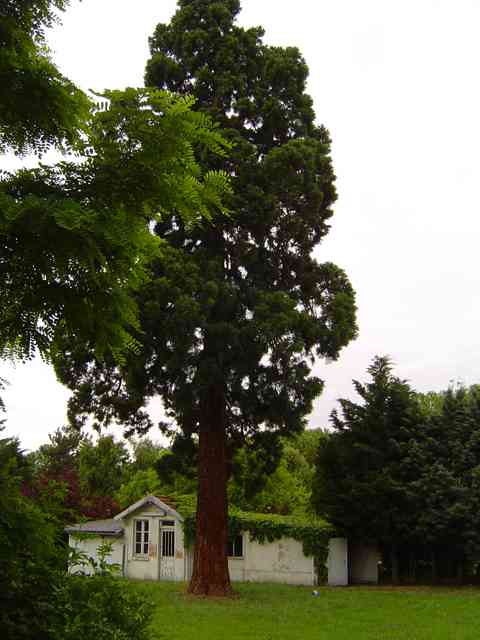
column 263, row 528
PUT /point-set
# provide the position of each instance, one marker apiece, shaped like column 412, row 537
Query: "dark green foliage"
column 403, row 470
column 30, row 561
column 251, row 467
column 359, row 484
column 236, row 311
column 60, row 453
column 275, row 479
column 258, row 292
column 102, row 465
column 102, row 607
column 177, row 468
column 38, row 105
column 75, row 241
column 241, row 305
column 38, row 600
column 444, row 466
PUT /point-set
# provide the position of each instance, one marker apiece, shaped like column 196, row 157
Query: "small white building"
column 148, row 544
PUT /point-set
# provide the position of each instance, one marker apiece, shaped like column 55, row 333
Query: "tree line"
column 402, row 469
column 74, row 477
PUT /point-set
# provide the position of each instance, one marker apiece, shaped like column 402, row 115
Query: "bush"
column 31, row 563
column 38, row 599
column 101, row 607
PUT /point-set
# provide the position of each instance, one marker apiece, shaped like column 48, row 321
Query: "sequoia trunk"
column 210, row 575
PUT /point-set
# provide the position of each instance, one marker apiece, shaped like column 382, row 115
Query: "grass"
column 282, row 612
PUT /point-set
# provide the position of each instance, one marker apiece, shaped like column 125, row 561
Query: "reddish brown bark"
column 210, row 575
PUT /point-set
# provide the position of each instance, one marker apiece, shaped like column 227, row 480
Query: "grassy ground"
column 280, row 612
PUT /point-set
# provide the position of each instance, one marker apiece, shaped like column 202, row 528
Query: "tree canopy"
column 39, row 107
column 75, row 237
column 236, row 311
column 402, row 469
column 358, row 478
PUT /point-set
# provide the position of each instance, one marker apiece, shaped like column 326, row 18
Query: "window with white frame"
column 142, row 537
column 235, row 547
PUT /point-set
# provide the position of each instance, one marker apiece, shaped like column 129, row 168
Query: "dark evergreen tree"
column 60, row 453
column 403, row 470
column 102, row 465
column 237, row 310
column 361, row 484
column 444, row 463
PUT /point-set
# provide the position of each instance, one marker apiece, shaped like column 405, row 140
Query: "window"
column 141, row 537
column 168, row 544
column 235, row 547
column 168, row 523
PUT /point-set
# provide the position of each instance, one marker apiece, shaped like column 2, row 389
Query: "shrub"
column 38, row 599
column 31, row 563
column 101, row 607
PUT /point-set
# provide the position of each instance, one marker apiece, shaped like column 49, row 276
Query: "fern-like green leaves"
column 76, row 239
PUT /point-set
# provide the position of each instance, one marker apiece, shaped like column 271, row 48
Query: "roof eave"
column 148, row 500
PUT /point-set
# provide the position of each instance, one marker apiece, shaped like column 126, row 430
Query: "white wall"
column 282, row 561
column 151, row 568
column 337, row 562
column 279, row 561
column 90, row 546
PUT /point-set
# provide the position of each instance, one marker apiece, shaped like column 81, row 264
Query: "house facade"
column 148, row 544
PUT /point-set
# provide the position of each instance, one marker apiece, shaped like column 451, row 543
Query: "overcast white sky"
column 396, row 83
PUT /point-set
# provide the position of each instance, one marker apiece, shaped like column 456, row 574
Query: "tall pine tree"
column 238, row 309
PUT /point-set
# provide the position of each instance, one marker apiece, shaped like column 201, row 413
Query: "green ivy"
column 263, row 528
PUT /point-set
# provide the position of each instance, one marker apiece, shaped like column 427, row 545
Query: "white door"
column 337, row 562
column 167, row 552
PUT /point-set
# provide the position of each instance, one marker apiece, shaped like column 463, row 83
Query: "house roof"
column 108, row 527
column 164, row 504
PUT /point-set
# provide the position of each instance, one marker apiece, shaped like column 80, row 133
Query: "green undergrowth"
column 283, row 612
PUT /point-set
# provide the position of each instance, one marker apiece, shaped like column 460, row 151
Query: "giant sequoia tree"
column 237, row 310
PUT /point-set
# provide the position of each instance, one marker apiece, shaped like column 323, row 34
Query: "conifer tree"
column 237, row 310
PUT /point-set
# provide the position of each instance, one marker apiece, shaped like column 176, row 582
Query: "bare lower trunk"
column 460, row 571
column 434, row 567
column 210, row 565
column 412, row 567
column 394, row 560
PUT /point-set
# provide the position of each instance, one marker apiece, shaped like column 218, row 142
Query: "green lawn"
column 280, row 612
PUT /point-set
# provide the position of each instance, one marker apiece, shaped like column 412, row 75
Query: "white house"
column 148, row 544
